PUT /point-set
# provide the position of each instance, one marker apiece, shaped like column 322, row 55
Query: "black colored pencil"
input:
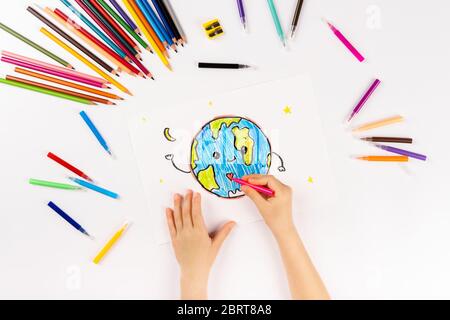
column 388, row 139
column 169, row 19
column 208, row 65
column 298, row 9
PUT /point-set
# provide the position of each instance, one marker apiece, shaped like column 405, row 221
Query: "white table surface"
column 387, row 239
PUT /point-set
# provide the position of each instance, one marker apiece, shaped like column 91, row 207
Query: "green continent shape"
column 207, row 179
column 194, row 156
column 243, row 139
column 217, row 124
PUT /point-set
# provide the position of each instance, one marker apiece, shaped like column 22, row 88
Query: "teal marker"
column 95, row 131
column 276, row 20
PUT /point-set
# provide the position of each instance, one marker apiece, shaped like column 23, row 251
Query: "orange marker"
column 384, row 158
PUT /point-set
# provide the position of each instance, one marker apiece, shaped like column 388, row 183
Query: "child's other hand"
column 194, row 248
column 277, row 210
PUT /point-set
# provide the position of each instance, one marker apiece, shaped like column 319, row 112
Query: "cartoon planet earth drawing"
column 227, row 147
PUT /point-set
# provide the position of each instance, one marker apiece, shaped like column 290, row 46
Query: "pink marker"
column 344, row 40
column 263, row 190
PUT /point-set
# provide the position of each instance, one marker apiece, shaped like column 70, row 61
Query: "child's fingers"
column 177, row 199
column 187, row 210
column 171, row 223
column 197, row 217
column 222, row 234
column 256, row 197
column 266, row 180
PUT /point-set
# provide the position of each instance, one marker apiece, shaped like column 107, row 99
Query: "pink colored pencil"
column 53, row 72
column 347, row 43
column 19, row 57
column 263, row 190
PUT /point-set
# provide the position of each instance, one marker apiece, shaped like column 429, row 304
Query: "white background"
column 388, row 239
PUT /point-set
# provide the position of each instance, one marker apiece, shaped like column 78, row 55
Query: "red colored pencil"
column 68, row 166
column 63, row 16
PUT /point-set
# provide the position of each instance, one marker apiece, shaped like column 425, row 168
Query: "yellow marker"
column 380, row 123
column 147, row 34
column 110, row 243
column 85, row 61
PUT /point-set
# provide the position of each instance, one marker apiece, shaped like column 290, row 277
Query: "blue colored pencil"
column 93, row 187
column 66, row 217
column 163, row 18
column 95, row 131
column 94, row 28
column 154, row 22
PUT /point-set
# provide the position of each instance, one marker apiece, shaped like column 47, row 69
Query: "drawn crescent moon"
column 168, row 136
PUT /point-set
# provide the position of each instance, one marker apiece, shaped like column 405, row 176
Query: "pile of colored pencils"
column 110, row 43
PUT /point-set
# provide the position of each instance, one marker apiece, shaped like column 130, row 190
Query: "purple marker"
column 364, row 99
column 242, row 13
column 402, row 152
column 124, row 15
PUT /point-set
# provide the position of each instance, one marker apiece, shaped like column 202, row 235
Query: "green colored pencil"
column 123, row 24
column 55, row 185
column 35, row 45
column 45, row 91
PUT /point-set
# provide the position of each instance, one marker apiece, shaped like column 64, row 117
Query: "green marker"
column 55, row 185
column 276, row 21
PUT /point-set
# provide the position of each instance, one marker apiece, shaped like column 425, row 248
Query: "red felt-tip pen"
column 263, row 190
column 68, row 166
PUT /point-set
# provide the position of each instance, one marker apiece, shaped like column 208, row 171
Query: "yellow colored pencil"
column 110, row 243
column 147, row 34
column 379, row 123
column 85, row 61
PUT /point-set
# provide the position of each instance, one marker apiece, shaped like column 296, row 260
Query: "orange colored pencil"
column 56, row 89
column 385, row 158
column 67, row 83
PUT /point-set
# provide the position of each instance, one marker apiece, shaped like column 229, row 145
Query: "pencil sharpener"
column 213, row 29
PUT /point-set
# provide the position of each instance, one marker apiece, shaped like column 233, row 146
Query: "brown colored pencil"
column 63, row 34
column 56, row 89
column 67, row 83
column 388, row 139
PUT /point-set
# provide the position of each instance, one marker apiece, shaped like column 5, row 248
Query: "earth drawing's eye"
column 244, row 150
column 216, row 155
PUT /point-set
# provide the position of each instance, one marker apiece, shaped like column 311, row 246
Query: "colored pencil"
column 402, row 152
column 264, row 190
column 68, row 219
column 35, row 46
column 85, row 61
column 60, row 90
column 68, row 166
column 54, row 73
column 93, row 42
column 242, row 14
column 50, row 184
column 67, row 83
column 148, row 31
column 179, row 28
column 296, row 17
column 379, row 123
column 125, row 16
column 75, row 43
column 156, row 24
column 345, row 41
column 388, row 139
column 46, row 91
column 111, row 243
column 171, row 21
column 131, row 52
column 164, row 19
column 276, row 21
column 95, row 131
column 91, row 26
column 364, row 99
column 384, row 158
column 124, row 24
column 208, row 65
column 95, row 188
column 101, row 11
column 21, row 58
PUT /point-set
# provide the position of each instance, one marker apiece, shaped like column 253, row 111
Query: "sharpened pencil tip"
column 153, row 78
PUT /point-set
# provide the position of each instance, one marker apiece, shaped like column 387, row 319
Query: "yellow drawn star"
column 161, row 181
column 310, row 180
column 210, row 103
column 144, row 119
column 287, row 110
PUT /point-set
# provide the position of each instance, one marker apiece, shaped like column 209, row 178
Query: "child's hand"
column 277, row 210
column 194, row 249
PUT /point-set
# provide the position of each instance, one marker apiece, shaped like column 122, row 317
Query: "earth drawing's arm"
column 170, row 158
column 281, row 168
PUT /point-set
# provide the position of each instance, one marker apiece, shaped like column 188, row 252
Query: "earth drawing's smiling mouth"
column 232, row 160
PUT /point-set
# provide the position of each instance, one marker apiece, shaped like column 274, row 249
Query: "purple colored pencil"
column 124, row 15
column 364, row 99
column 402, row 152
column 242, row 15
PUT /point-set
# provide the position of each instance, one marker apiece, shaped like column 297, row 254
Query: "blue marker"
column 154, row 21
column 95, row 188
column 66, row 217
column 95, row 131
column 94, row 28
